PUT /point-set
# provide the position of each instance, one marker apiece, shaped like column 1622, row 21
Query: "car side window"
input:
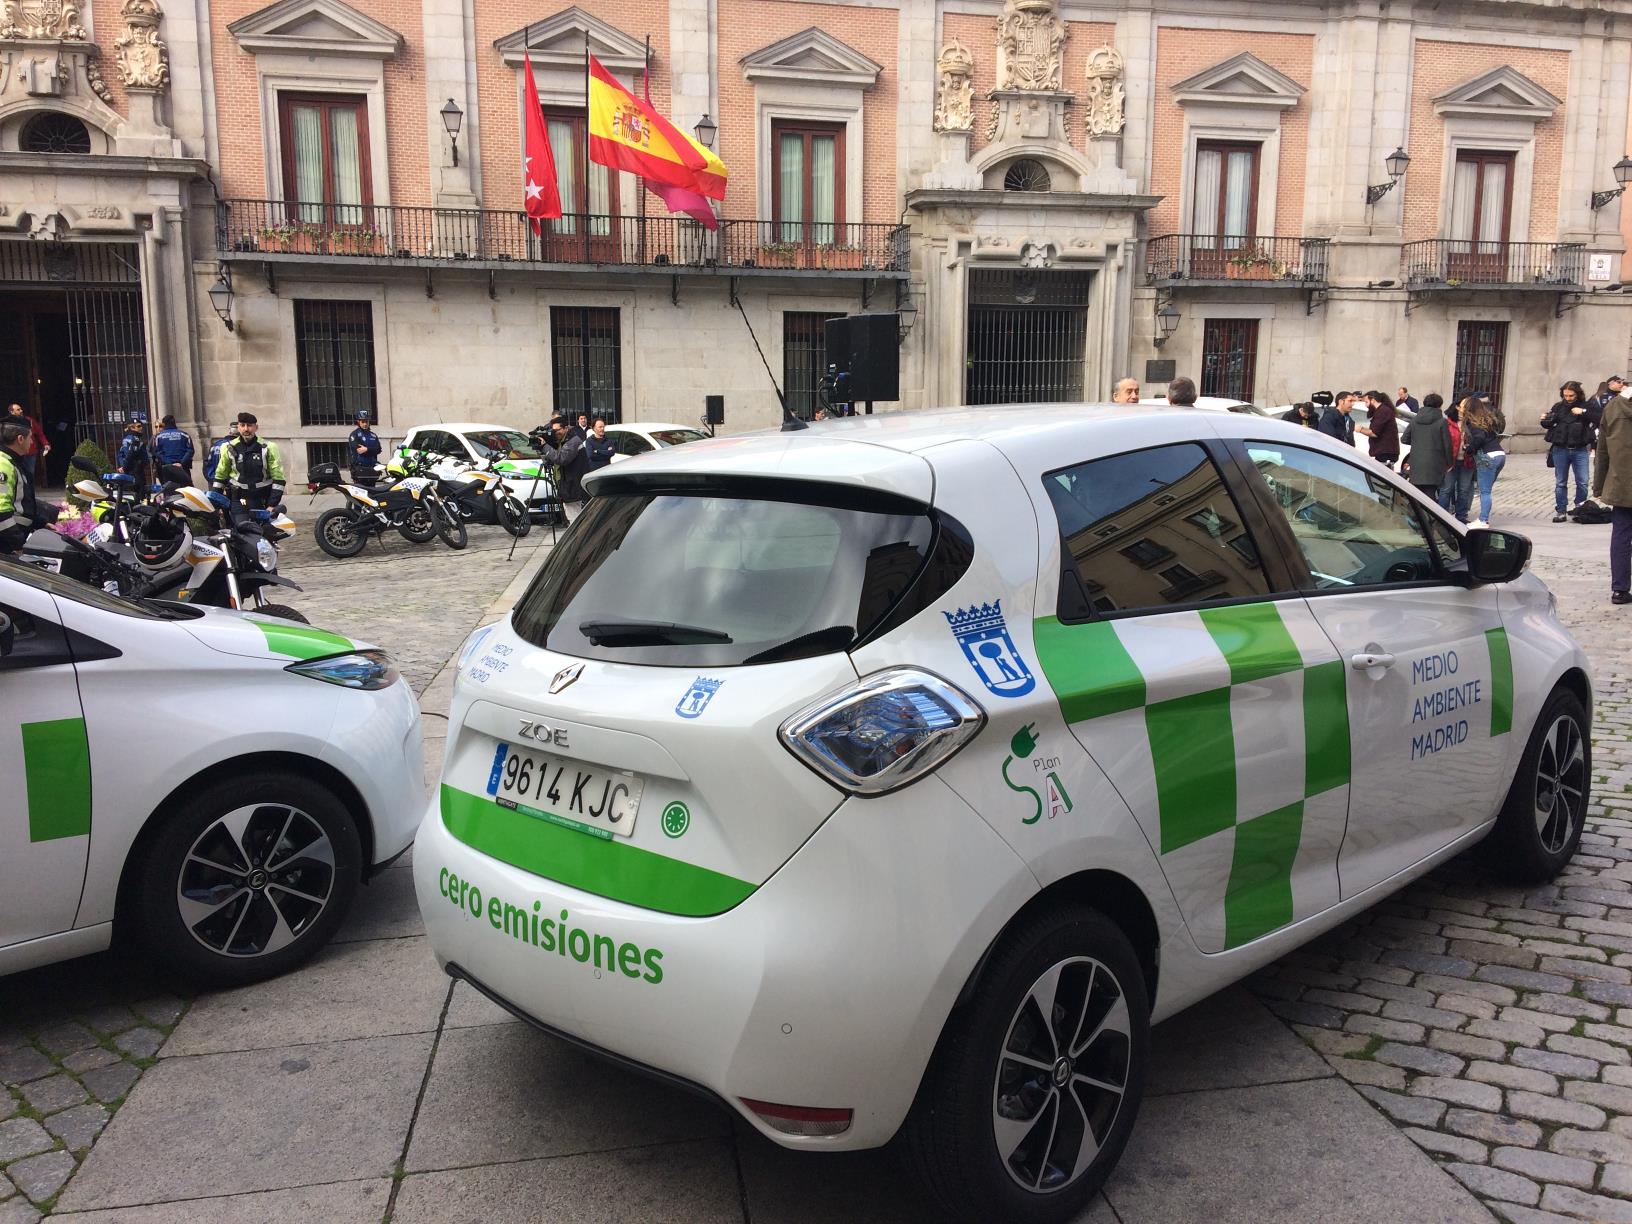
column 36, row 641
column 1150, row 530
column 1354, row 527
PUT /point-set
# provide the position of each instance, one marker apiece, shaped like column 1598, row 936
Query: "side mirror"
column 8, row 635
column 81, row 464
column 1494, row 556
column 173, row 472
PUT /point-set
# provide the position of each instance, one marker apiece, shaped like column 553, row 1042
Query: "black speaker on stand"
column 713, row 412
column 868, row 349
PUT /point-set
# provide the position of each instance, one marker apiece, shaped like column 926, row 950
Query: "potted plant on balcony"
column 274, row 238
column 842, row 255
column 1250, row 263
column 356, row 242
column 779, row 255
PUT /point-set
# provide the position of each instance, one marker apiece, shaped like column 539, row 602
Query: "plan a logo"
column 1022, row 747
column 697, row 697
column 990, row 650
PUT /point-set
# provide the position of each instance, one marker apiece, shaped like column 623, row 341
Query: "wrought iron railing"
column 1212, row 259
column 254, row 227
column 1452, row 263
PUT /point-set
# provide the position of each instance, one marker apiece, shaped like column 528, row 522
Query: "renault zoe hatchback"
column 896, row 776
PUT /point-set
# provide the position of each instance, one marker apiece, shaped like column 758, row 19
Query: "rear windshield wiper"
column 650, row 633
column 837, row 637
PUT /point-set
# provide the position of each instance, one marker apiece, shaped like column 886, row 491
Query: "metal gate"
column 108, row 356
column 1027, row 334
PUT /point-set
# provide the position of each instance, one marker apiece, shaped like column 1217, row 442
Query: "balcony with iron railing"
column 1459, row 263
column 492, row 238
column 1260, row 260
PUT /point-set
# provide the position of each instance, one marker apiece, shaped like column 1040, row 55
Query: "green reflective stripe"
column 1089, row 669
column 1259, row 896
column 57, row 770
column 1254, row 641
column 613, row 869
column 1501, row 682
column 1326, row 759
column 1192, row 747
column 300, row 641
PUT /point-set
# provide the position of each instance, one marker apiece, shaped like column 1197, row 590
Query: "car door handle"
column 1368, row 659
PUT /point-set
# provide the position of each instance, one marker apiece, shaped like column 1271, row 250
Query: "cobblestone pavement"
column 1487, row 1030
column 76, row 1037
column 1494, row 1024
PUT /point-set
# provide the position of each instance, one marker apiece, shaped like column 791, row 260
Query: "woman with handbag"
column 1456, row 490
column 1482, row 439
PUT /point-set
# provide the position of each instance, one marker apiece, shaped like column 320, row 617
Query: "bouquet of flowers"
column 74, row 522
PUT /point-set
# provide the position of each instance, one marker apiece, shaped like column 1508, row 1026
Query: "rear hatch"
column 618, row 733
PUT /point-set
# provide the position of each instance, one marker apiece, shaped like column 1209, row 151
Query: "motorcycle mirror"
column 81, row 464
column 173, row 472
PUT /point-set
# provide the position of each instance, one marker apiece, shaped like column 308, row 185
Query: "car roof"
column 894, row 450
column 648, row 426
column 462, row 426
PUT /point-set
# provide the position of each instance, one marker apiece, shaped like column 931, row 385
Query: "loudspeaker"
column 714, row 409
column 868, row 349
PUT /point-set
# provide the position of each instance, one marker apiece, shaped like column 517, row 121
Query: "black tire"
column 449, row 525
column 273, row 870
column 951, row 1138
column 419, row 524
column 339, row 532
column 284, row 611
column 512, row 515
column 1539, row 826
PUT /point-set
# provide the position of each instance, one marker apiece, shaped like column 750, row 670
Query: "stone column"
column 450, row 73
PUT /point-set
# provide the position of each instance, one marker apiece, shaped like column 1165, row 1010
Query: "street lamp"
column 705, row 130
column 1623, row 175
column 1395, row 163
column 1167, row 321
column 221, row 296
column 452, row 117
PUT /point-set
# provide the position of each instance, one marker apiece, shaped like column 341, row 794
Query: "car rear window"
column 677, row 437
column 502, row 444
column 717, row 578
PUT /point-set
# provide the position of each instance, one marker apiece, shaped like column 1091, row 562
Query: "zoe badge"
column 990, row 650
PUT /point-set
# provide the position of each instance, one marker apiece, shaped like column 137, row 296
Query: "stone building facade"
column 1051, row 194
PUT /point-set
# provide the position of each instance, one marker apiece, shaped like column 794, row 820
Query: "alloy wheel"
column 256, row 879
column 1561, row 784
column 1062, row 1074
column 340, row 531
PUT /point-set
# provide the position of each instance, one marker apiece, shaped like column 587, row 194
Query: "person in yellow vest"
column 20, row 513
column 250, row 469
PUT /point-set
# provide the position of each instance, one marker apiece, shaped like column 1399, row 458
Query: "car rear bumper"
column 826, row 988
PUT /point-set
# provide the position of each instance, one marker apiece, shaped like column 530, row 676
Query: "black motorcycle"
column 410, row 505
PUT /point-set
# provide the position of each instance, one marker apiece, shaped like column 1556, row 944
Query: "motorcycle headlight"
column 885, row 732
column 266, row 556
column 362, row 669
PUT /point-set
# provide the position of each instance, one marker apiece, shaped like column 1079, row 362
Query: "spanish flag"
column 627, row 134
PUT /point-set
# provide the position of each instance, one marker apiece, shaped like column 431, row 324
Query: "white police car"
column 212, row 783
column 897, row 775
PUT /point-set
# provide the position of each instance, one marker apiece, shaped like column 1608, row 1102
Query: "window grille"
column 1481, row 359
column 327, row 452
column 1229, row 358
column 334, row 342
column 1027, row 334
column 587, row 360
column 804, row 359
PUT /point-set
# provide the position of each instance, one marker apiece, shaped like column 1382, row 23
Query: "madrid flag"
column 541, row 199
column 627, row 134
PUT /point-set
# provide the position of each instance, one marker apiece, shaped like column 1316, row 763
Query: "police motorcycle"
column 104, row 558
column 477, row 491
column 410, row 504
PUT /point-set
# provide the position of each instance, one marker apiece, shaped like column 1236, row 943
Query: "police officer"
column 212, row 457
column 250, row 468
column 172, row 445
column 365, row 451
column 133, row 458
column 19, row 512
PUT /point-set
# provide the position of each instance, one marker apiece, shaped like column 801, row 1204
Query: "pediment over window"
column 558, row 42
column 1504, row 93
column 811, row 55
column 315, row 27
column 1243, row 80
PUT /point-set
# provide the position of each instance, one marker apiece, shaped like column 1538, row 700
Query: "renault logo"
column 565, row 677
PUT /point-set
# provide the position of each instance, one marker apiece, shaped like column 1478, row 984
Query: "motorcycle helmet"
column 158, row 538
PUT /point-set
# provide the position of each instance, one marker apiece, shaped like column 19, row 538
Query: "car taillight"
column 885, row 732
column 800, row 1119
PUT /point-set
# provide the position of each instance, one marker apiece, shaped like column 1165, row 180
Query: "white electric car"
column 897, row 775
column 641, row 437
column 214, row 784
column 453, row 444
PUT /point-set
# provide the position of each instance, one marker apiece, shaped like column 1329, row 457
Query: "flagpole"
column 646, row 89
column 587, row 122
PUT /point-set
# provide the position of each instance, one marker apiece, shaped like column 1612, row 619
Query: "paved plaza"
column 1461, row 1051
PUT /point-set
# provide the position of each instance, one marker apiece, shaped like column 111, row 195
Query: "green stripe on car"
column 1501, row 682
column 1326, row 749
column 614, row 869
column 300, row 641
column 57, row 773
column 1254, row 641
column 1192, row 746
column 1258, row 899
column 1089, row 669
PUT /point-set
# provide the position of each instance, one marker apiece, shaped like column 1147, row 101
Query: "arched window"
column 53, row 132
column 1026, row 175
